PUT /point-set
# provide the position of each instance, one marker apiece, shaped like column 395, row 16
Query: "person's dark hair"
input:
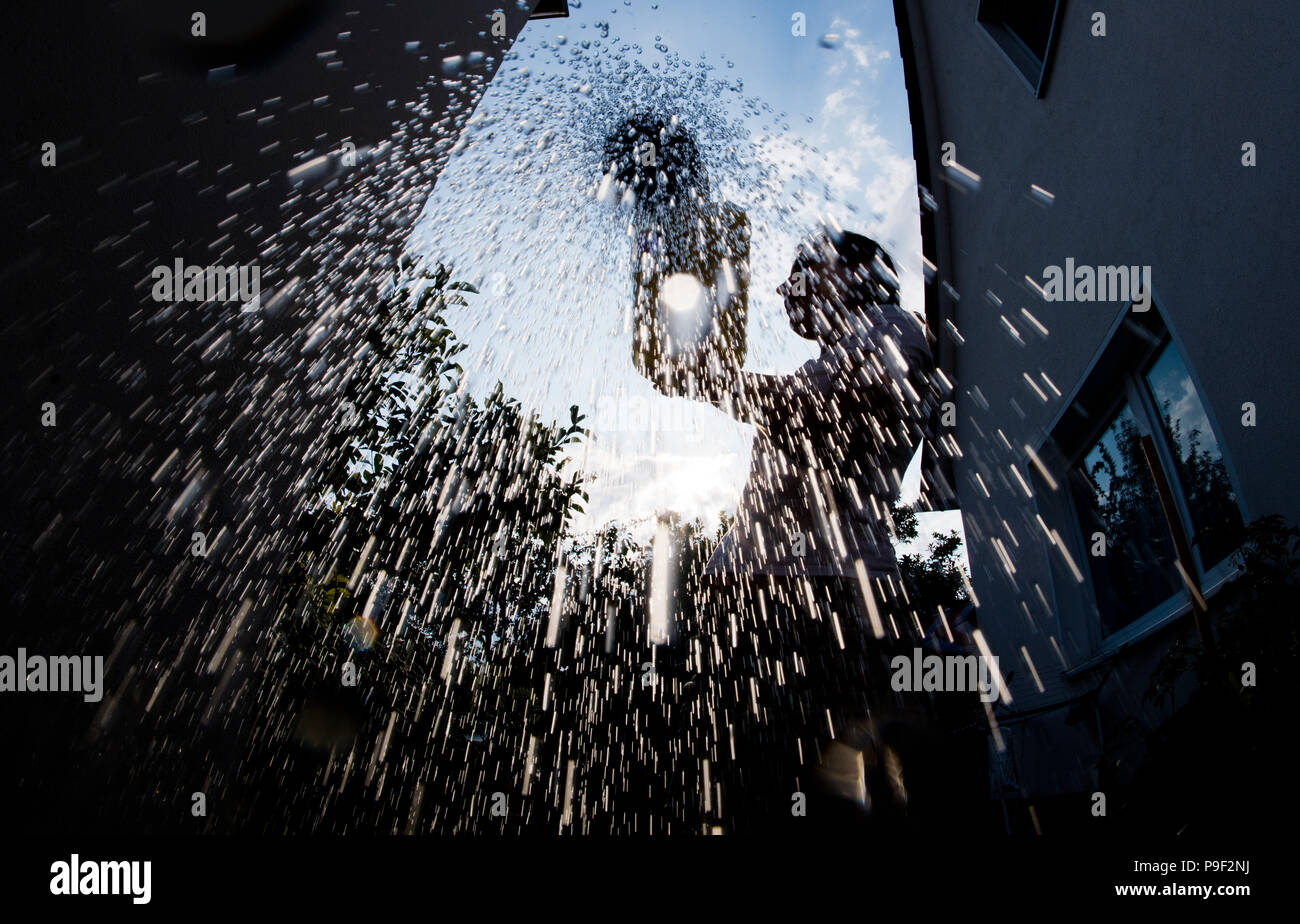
column 860, row 267
column 844, row 273
column 677, row 166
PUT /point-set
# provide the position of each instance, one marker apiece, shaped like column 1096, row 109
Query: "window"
column 1185, row 425
column 1118, row 504
column 1024, row 30
column 550, row 9
column 1148, row 486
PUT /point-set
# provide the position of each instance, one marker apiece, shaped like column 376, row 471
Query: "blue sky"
column 824, row 135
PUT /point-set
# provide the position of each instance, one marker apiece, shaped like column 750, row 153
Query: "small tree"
column 426, row 564
column 934, row 579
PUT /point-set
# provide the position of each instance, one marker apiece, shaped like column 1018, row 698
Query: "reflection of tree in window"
column 1116, row 495
column 1216, row 518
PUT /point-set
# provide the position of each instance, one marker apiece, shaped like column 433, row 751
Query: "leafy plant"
column 933, row 579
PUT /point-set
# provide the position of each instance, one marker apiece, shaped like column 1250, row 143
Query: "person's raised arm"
column 749, row 397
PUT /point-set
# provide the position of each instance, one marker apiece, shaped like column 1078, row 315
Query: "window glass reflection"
column 1116, row 495
column 1216, row 518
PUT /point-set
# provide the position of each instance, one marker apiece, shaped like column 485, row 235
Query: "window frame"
column 1013, row 48
column 1060, row 512
column 554, row 9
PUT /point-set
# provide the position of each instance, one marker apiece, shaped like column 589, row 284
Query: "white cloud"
column 866, row 56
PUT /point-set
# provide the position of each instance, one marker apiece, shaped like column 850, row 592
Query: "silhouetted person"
column 834, row 438
column 802, row 597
